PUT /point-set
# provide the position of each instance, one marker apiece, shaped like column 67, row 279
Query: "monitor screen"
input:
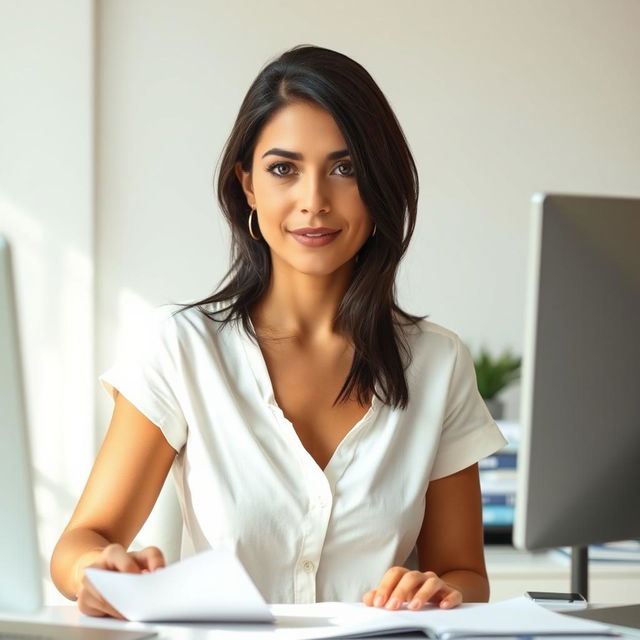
column 579, row 457
column 20, row 581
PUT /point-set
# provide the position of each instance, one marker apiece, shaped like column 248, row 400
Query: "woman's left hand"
column 400, row 585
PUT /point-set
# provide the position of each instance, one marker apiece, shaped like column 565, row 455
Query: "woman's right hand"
column 114, row 557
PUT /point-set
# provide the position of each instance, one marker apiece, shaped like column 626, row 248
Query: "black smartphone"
column 556, row 597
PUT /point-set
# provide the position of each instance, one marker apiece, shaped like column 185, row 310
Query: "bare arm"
column 123, row 486
column 451, row 542
column 450, row 550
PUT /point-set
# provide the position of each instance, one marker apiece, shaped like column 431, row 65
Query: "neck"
column 301, row 306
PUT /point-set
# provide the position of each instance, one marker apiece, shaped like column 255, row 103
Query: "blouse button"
column 308, row 566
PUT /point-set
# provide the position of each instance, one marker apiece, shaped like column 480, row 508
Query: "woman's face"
column 304, row 190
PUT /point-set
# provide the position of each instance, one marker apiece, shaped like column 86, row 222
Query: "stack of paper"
column 214, row 587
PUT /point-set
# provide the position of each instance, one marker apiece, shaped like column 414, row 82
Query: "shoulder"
column 436, row 352
column 429, row 339
column 181, row 316
column 180, row 324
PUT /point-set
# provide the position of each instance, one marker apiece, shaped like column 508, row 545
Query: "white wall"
column 46, row 211
column 498, row 99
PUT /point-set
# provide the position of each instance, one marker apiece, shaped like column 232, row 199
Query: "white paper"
column 518, row 616
column 510, row 618
column 210, row 586
column 332, row 620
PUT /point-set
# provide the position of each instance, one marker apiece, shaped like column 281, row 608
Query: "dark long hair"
column 387, row 180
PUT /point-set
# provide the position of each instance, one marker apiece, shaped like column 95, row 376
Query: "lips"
column 315, row 236
column 315, row 232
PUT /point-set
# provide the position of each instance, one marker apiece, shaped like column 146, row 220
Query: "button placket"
column 321, row 488
column 316, row 524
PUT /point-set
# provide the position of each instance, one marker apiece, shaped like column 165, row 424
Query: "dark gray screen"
column 582, row 445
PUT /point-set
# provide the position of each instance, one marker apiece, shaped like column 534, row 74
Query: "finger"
column 451, row 600
column 117, row 559
column 433, row 590
column 149, row 558
column 368, row 597
column 86, row 608
column 387, row 585
column 110, row 610
column 101, row 608
column 407, row 586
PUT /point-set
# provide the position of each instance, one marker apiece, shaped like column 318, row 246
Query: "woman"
column 325, row 435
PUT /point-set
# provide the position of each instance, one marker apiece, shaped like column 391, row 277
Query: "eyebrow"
column 292, row 155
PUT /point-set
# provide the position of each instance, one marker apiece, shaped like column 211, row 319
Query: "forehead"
column 301, row 126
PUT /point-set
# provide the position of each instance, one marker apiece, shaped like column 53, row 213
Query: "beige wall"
column 498, row 99
column 46, row 211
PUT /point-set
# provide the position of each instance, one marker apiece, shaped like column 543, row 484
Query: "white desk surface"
column 69, row 615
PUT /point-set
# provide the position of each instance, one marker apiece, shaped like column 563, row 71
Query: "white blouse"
column 245, row 480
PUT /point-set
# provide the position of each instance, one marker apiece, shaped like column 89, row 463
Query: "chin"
column 319, row 268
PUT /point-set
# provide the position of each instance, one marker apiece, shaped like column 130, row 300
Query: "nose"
column 313, row 195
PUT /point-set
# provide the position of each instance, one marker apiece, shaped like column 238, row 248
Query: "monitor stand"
column 626, row 617
column 580, row 571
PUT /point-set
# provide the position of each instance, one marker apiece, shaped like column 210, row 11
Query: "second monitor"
column 579, row 457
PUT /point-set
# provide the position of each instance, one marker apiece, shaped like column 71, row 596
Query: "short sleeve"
column 469, row 433
column 147, row 375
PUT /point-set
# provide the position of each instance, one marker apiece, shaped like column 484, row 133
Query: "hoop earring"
column 250, row 229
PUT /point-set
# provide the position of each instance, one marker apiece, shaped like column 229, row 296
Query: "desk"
column 512, row 572
column 69, row 615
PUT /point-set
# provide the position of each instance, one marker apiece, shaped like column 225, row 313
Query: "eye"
column 345, row 169
column 280, row 169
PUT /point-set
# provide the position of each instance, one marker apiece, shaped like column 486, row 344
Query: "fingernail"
column 415, row 604
column 445, row 604
column 393, row 603
column 378, row 601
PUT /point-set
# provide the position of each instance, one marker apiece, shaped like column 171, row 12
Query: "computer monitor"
column 20, row 579
column 579, row 456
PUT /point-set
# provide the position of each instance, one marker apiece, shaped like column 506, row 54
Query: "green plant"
column 495, row 373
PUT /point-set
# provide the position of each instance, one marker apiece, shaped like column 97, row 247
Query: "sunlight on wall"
column 131, row 315
column 54, row 285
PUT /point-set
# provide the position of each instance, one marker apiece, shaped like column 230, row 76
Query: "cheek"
column 352, row 202
column 272, row 216
column 361, row 218
column 274, row 201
